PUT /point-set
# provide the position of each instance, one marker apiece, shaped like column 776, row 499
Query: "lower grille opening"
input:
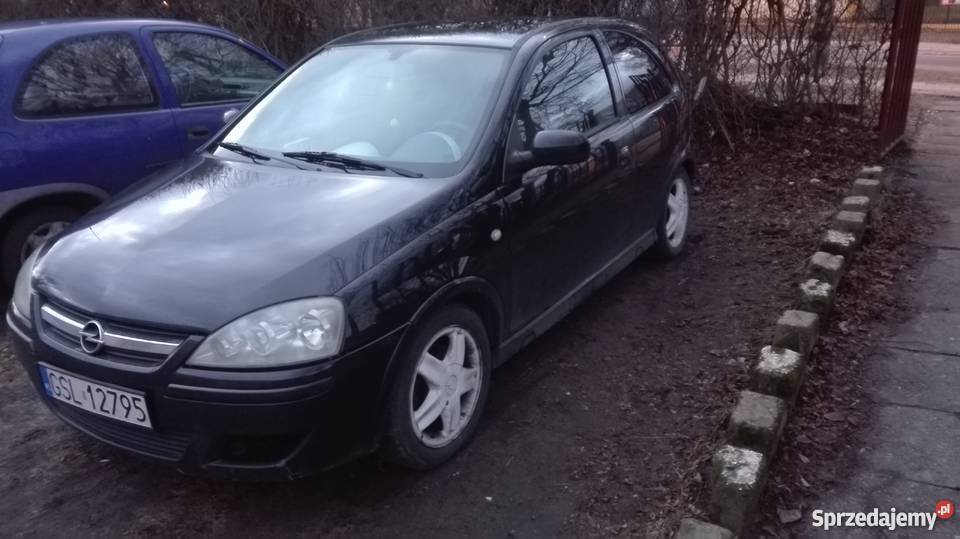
column 252, row 450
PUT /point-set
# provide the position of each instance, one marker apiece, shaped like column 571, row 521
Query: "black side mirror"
column 553, row 147
column 560, row 148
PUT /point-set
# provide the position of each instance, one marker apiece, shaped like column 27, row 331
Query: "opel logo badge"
column 91, row 337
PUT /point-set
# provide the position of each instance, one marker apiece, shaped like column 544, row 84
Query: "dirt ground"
column 601, row 427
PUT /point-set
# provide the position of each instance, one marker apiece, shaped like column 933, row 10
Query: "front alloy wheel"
column 445, row 387
column 28, row 232
column 439, row 389
column 40, row 234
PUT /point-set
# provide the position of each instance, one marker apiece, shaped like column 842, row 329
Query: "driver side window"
column 568, row 89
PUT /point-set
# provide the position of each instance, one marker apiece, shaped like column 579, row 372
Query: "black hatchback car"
column 343, row 265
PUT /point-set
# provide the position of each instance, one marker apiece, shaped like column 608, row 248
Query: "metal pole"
column 890, row 78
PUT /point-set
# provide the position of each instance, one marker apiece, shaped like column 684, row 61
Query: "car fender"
column 14, row 198
column 464, row 287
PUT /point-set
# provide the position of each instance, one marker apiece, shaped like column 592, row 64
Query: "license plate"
column 99, row 399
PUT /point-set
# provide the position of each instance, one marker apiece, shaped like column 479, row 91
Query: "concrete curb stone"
column 826, row 267
column 817, row 296
column 797, row 330
column 856, row 203
column 866, row 187
column 757, row 422
column 854, row 222
column 876, row 173
column 779, row 372
column 738, row 476
column 871, row 173
column 739, row 467
column 691, row 528
column 840, row 243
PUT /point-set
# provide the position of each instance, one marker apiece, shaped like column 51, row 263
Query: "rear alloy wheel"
column 440, row 389
column 674, row 224
column 29, row 232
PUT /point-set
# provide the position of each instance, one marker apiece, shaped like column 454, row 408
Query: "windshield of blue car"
column 420, row 107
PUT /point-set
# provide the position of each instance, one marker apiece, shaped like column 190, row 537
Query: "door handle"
column 200, row 132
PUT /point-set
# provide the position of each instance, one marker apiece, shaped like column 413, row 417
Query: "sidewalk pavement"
column 910, row 455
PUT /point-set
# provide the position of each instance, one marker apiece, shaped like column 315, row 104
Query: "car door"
column 87, row 111
column 566, row 223
column 208, row 74
column 650, row 101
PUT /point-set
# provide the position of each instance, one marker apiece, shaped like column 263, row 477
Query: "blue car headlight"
column 281, row 335
column 23, row 289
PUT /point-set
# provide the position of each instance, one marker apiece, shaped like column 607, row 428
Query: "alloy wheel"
column 678, row 212
column 446, row 386
column 39, row 235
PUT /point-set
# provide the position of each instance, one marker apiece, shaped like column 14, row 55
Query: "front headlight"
column 22, row 290
column 285, row 334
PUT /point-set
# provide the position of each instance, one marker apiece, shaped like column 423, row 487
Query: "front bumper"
column 271, row 424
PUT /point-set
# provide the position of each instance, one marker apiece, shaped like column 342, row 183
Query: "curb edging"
column 739, row 467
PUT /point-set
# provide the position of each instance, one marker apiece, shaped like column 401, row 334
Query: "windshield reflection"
column 420, row 107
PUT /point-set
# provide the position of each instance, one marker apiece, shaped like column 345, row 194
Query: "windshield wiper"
column 256, row 155
column 347, row 161
column 244, row 151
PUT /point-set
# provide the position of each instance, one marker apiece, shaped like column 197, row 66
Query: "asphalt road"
column 938, row 70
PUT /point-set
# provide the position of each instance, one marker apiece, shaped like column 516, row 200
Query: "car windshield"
column 420, row 107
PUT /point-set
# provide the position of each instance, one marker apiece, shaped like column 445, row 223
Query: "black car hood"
column 225, row 238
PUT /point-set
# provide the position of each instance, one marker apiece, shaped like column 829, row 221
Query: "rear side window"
column 90, row 74
column 209, row 69
column 568, row 89
column 643, row 79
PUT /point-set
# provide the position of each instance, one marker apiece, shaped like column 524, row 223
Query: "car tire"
column 31, row 227
column 673, row 229
column 435, row 403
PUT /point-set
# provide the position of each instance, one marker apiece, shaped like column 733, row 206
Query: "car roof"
column 505, row 33
column 89, row 24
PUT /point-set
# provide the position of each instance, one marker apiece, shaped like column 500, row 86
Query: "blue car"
column 88, row 107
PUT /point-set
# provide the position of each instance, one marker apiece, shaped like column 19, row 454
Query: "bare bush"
column 799, row 55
